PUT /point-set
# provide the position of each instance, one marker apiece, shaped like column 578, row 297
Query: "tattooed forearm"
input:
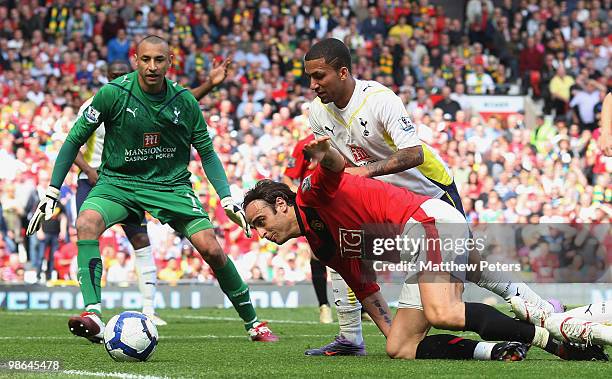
column 401, row 160
column 383, row 312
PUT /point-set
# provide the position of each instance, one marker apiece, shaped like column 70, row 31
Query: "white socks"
column 94, row 307
column 348, row 309
column 503, row 284
column 483, row 350
column 147, row 277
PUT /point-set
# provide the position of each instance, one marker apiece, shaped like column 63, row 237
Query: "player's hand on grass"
column 236, row 214
column 316, row 150
column 44, row 208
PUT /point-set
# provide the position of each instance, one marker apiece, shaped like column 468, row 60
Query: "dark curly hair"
column 268, row 191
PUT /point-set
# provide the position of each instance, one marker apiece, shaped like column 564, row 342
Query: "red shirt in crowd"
column 297, row 168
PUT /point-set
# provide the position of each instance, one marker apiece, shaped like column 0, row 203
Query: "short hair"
column 334, row 51
column 152, row 38
column 268, row 191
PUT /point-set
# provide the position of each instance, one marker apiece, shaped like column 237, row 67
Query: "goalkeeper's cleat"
column 261, row 333
column 509, row 351
column 325, row 314
column 155, row 319
column 575, row 330
column 574, row 352
column 529, row 312
column 87, row 325
column 339, row 346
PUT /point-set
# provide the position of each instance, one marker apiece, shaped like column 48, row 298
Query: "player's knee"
column 213, row 255
column 443, row 316
column 89, row 225
column 400, row 351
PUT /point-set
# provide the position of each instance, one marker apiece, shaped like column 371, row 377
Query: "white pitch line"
column 216, row 318
column 162, row 337
column 173, row 317
column 121, row 375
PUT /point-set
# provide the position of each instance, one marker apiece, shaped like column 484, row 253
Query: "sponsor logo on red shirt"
column 351, row 243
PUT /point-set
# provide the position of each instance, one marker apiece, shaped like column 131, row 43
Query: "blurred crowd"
column 54, row 55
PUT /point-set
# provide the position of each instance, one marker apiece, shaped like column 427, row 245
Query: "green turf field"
column 213, row 343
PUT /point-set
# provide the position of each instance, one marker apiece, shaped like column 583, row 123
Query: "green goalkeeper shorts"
column 178, row 207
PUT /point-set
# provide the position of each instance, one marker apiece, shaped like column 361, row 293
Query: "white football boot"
column 575, row 330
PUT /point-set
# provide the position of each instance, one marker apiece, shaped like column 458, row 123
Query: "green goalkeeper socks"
column 90, row 274
column 237, row 291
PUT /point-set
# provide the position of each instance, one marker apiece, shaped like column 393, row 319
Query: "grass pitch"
column 212, row 343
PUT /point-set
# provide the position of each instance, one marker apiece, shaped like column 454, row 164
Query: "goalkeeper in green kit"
column 151, row 124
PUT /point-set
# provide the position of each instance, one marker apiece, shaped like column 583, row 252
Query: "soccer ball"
column 130, row 337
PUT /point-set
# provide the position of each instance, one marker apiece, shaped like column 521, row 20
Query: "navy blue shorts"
column 451, row 196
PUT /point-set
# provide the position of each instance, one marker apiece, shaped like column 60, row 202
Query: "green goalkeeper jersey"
column 148, row 137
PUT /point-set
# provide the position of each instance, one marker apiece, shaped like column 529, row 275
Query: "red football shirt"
column 347, row 208
column 297, row 168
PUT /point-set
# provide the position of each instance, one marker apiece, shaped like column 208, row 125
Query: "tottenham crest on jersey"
column 91, row 114
column 176, row 115
column 364, row 124
column 405, row 124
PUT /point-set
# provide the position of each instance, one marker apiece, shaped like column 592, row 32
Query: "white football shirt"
column 95, row 143
column 374, row 125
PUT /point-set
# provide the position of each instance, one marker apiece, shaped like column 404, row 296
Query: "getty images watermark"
column 442, row 256
column 538, row 253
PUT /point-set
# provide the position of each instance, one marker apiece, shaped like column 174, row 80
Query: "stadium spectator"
column 559, row 88
column 584, row 101
column 118, row 47
column 446, row 104
column 34, row 40
column 121, row 271
column 172, row 272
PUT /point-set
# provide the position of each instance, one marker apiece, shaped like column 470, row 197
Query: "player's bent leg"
column 348, row 309
column 96, row 216
column 503, row 284
column 441, row 298
column 408, row 329
column 447, row 346
column 408, row 340
column 498, row 282
column 231, row 283
column 146, row 269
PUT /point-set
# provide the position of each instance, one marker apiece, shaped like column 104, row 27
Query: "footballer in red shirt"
column 334, row 211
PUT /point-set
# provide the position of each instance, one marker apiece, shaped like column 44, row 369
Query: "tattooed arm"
column 377, row 308
column 399, row 161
